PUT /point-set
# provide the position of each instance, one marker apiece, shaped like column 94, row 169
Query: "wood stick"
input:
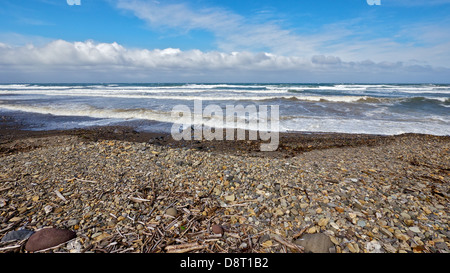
column 290, row 245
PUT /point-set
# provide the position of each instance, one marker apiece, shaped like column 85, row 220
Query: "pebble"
column 361, row 223
column 217, row 229
column 357, row 209
column 230, row 197
column 323, row 222
column 48, row 209
column 47, row 238
column 353, row 247
column 315, row 243
column 374, row 247
column 172, row 212
column 415, row 229
column 18, row 235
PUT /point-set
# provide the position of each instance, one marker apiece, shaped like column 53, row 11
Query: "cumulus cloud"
column 91, row 61
column 89, row 53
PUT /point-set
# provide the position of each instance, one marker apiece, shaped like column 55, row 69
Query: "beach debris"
column 183, row 248
column 48, row 238
column 60, row 196
column 138, row 199
column 122, row 198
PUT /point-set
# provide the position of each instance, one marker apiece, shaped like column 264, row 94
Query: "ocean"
column 382, row 109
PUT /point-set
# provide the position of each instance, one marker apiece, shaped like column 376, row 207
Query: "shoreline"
column 290, row 143
column 364, row 193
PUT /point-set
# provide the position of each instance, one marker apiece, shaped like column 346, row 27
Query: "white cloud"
column 64, row 61
column 347, row 39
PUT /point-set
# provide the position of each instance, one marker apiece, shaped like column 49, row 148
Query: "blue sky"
column 225, row 41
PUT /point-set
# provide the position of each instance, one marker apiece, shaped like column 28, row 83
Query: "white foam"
column 361, row 126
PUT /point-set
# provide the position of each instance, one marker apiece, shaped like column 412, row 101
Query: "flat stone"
column 172, row 212
column 361, row 223
column 72, row 222
column 217, row 229
column 323, row 222
column 47, row 238
column 230, row 198
column 18, row 235
column 415, row 229
column 315, row 243
column 405, row 216
column 374, row 247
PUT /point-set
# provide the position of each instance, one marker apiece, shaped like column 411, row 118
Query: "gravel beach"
column 124, row 191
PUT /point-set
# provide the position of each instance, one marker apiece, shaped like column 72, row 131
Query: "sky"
column 344, row 41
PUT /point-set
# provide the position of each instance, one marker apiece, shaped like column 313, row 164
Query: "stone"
column 386, row 232
column 315, row 243
column 405, row 216
column 323, row 222
column 267, row 243
column 401, row 236
column 18, row 235
column 172, row 212
column 415, row 229
column 264, row 238
column 47, row 238
column 373, row 247
column 217, row 229
column 389, row 248
column 2, row 202
column 230, row 198
column 354, row 248
column 361, row 223
column 72, row 222
column 48, row 209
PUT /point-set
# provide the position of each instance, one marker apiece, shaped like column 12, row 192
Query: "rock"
column 277, row 186
column 401, row 236
column 264, row 238
column 315, row 243
column 243, row 246
column 48, row 209
column 405, row 216
column 354, row 248
column 230, row 198
column 389, row 248
column 323, row 222
column 386, row 232
column 2, row 202
column 47, row 238
column 373, row 247
column 172, row 212
column 415, row 229
column 361, row 223
column 74, row 246
column 18, row 235
column 217, row 229
column 267, row 243
column 72, row 222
